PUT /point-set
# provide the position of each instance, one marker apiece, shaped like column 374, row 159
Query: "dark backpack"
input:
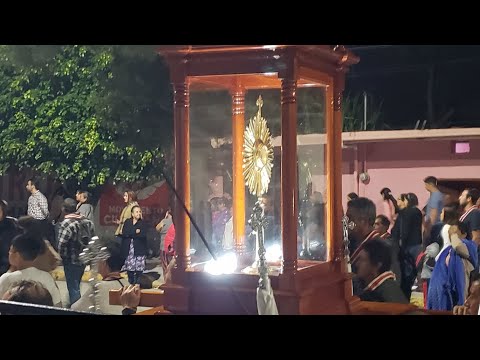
column 85, row 232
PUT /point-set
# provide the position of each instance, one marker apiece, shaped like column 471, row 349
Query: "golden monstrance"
column 257, row 170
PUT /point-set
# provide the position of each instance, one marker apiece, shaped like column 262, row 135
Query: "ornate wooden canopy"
column 302, row 287
column 256, row 66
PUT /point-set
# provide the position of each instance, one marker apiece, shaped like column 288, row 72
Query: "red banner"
column 154, row 200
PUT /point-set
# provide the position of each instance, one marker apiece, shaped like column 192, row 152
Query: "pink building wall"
column 402, row 165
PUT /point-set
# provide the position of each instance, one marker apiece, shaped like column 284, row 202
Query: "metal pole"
column 172, row 187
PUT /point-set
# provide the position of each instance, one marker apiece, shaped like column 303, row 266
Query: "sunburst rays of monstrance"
column 257, row 154
column 257, row 170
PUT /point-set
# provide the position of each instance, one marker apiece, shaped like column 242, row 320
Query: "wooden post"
column 238, row 128
column 182, row 173
column 334, row 170
column 289, row 176
column 330, row 174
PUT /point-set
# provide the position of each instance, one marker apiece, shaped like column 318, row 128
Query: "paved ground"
column 62, row 285
column 152, row 265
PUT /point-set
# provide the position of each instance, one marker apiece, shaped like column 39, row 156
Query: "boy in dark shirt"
column 373, row 269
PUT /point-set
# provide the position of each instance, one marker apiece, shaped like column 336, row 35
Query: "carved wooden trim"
column 181, row 95
column 289, row 91
column 337, row 100
column 238, row 101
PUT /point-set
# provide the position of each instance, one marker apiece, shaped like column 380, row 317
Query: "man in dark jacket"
column 373, row 269
column 361, row 212
column 8, row 230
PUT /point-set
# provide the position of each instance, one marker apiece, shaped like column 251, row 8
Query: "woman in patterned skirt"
column 134, row 245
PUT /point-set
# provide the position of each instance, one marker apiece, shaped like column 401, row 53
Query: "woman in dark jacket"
column 408, row 231
column 8, row 230
column 134, row 245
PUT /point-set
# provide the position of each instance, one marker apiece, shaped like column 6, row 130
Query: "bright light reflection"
column 273, row 253
column 225, row 264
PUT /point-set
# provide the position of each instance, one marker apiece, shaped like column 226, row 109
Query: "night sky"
column 398, row 75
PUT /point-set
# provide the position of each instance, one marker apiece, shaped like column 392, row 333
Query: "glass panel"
column 312, row 195
column 210, row 169
column 212, row 174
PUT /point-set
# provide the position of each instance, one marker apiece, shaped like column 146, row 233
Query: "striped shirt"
column 379, row 280
column 37, row 206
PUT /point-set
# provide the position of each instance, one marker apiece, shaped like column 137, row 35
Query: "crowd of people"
column 34, row 245
column 436, row 248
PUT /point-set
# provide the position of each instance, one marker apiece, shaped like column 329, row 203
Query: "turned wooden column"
column 334, row 171
column 289, row 176
column 238, row 128
column 182, row 173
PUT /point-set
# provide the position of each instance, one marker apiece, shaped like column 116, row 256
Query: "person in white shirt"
column 111, row 280
column 29, row 292
column 37, row 202
column 38, row 209
column 449, row 216
column 24, row 250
